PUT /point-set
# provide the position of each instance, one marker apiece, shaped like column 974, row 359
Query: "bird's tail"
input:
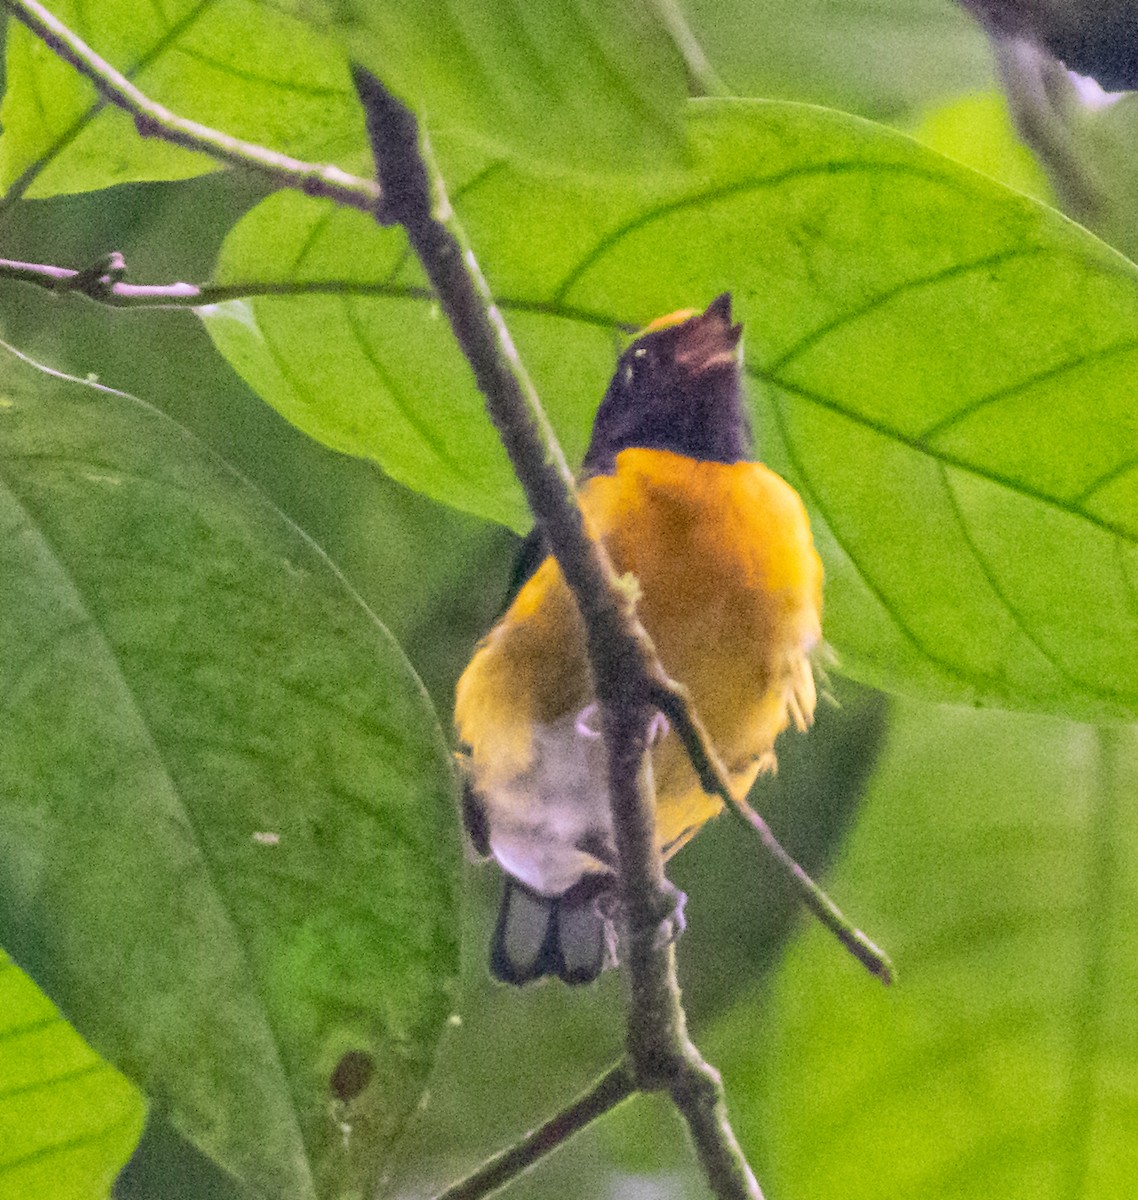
column 568, row 936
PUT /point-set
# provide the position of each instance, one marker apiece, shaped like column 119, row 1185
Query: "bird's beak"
column 709, row 340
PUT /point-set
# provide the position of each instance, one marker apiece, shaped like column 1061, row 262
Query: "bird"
column 729, row 589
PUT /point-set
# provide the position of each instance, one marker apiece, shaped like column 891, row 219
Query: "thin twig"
column 1038, row 88
column 698, row 1094
column 106, row 286
column 153, row 120
column 613, row 1087
column 703, row 80
column 673, row 702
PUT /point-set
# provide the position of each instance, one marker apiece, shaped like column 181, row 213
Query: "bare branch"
column 613, row 1087
column 106, row 286
column 153, row 120
column 698, row 1094
column 672, row 700
column 1038, row 91
column 660, row 1054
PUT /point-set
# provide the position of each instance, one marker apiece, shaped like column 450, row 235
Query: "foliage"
column 228, row 845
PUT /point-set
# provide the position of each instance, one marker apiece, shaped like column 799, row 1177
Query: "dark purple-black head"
column 677, row 387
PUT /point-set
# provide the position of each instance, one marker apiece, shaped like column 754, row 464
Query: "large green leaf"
column 68, row 1120
column 941, row 365
column 237, row 65
column 880, row 58
column 227, row 841
column 578, row 83
column 996, row 858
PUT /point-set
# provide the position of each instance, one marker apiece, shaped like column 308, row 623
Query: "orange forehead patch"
column 676, row 318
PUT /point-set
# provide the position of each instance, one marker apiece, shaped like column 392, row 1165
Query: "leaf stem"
column 153, row 120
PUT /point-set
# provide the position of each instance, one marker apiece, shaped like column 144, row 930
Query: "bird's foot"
column 658, row 727
column 673, row 922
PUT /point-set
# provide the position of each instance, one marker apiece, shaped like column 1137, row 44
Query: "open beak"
column 709, row 341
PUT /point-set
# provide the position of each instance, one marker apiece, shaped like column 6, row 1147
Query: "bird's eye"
column 638, row 364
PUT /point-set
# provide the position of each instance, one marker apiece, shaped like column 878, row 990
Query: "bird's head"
column 677, row 387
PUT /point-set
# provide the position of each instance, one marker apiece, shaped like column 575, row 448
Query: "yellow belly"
column 730, row 592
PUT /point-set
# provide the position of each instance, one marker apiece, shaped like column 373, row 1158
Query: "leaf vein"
column 33, row 171
column 1005, row 601
column 957, row 270
column 739, row 187
column 879, row 594
column 404, row 406
column 916, row 443
column 1022, row 385
column 117, row 669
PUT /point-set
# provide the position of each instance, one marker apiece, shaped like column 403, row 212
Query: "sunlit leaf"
column 941, row 365
column 977, row 130
column 68, row 1120
column 996, row 859
column 227, row 841
column 577, row 83
column 236, row 65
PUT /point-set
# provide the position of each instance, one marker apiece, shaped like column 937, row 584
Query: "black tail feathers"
column 569, row 936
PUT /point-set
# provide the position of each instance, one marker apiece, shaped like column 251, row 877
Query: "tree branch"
column 103, row 282
column 672, row 700
column 698, row 1094
column 153, row 120
column 660, row 1053
column 615, row 1086
column 1038, row 89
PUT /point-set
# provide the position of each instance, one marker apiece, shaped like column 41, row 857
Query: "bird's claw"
column 673, row 923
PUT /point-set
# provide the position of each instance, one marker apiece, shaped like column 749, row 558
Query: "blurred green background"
column 992, row 854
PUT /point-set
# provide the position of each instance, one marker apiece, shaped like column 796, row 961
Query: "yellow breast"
column 730, row 592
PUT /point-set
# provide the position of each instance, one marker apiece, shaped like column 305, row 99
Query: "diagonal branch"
column 660, row 1053
column 672, row 700
column 153, row 120
column 613, row 1087
column 1038, row 90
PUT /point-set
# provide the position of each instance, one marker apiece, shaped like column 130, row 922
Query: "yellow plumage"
column 730, row 592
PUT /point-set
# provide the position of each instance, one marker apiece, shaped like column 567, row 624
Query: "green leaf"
column 377, row 377
column 995, row 859
column 236, row 65
column 881, row 58
column 942, row 366
column 68, row 1120
column 228, row 847
column 1104, row 143
column 574, row 83
column 977, row 130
